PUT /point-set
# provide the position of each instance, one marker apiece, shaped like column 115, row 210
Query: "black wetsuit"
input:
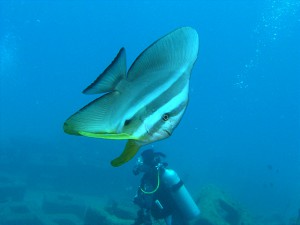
column 158, row 204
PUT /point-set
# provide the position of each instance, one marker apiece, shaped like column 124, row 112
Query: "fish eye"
column 165, row 117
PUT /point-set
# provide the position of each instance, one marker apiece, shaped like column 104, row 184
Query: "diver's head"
column 148, row 160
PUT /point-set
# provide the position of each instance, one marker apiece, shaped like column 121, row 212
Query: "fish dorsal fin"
column 109, row 79
column 170, row 53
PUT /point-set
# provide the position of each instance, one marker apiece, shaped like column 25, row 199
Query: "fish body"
column 146, row 103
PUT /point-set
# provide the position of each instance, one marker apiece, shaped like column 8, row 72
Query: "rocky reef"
column 22, row 206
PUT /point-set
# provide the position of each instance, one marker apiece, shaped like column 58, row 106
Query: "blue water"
column 241, row 130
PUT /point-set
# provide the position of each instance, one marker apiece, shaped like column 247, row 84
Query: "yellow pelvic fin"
column 129, row 152
column 122, row 136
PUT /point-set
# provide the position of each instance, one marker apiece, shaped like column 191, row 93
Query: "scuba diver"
column 162, row 194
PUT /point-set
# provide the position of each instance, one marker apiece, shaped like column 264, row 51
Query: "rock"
column 101, row 217
column 218, row 209
column 295, row 220
column 115, row 209
column 94, row 217
column 19, row 209
column 65, row 220
column 63, row 204
column 18, row 214
column 22, row 220
column 12, row 192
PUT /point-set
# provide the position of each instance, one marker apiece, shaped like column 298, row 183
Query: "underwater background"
column 241, row 130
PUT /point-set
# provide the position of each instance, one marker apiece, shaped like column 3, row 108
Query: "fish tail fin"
column 129, row 152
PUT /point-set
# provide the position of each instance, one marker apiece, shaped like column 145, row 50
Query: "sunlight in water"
column 277, row 19
column 7, row 53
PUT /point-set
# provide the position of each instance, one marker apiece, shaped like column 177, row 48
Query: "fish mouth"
column 168, row 132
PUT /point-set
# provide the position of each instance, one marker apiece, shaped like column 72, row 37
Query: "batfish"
column 145, row 103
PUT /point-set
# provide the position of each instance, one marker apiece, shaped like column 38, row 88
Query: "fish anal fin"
column 129, row 152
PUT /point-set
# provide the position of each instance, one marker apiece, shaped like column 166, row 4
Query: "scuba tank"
column 180, row 194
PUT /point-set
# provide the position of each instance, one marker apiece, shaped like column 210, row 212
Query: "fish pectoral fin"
column 129, row 152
